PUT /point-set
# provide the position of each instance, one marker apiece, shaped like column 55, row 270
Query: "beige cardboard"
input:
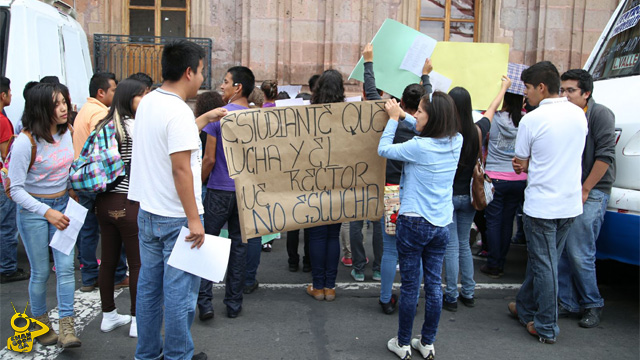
column 304, row 166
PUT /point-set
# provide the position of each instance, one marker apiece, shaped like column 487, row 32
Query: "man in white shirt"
column 549, row 148
column 165, row 179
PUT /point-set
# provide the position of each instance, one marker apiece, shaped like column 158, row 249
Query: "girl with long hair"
column 117, row 215
column 430, row 160
column 41, row 190
column 324, row 240
column 509, row 186
column 458, row 260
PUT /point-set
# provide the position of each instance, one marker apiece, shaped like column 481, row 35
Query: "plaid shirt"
column 513, row 72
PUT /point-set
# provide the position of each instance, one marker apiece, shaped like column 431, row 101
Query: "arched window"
column 450, row 20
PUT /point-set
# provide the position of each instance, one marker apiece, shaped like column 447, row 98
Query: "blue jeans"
column 537, row 299
column 458, row 258
column 324, row 249
column 388, row 266
column 88, row 244
column 578, row 286
column 8, row 235
column 163, row 290
column 499, row 215
column 357, row 245
column 419, row 240
column 254, row 250
column 36, row 233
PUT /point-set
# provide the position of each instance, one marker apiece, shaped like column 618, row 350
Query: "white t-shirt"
column 164, row 125
column 552, row 138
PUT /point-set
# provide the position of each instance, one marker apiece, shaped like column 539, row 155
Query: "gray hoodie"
column 502, row 142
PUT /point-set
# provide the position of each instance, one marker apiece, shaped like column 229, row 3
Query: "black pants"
column 293, row 239
column 220, row 207
column 118, row 219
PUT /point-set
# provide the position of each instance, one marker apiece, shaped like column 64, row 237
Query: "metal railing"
column 124, row 55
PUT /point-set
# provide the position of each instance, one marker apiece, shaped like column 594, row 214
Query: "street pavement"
column 280, row 321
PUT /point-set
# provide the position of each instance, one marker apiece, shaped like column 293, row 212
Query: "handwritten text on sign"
column 302, row 166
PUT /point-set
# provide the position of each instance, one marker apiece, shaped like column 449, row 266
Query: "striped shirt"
column 125, row 153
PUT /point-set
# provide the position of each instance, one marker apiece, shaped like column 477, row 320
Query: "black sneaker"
column 251, row 288
column 449, row 306
column 390, row 307
column 205, row 312
column 471, row 302
column 294, row 267
column 591, row 318
column 200, row 356
column 231, row 314
column 492, row 272
column 306, row 267
column 17, row 275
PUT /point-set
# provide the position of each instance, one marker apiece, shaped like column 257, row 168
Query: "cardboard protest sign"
column 477, row 67
column 397, row 48
column 303, row 166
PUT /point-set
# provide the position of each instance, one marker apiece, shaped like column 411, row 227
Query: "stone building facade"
column 290, row 40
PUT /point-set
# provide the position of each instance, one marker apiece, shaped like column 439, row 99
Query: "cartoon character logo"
column 22, row 340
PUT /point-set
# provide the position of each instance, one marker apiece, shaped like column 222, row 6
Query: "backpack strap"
column 33, row 148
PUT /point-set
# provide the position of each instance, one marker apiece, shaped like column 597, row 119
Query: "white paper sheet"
column 292, row 90
column 420, row 50
column 65, row 240
column 208, row 262
column 439, row 82
column 353, row 99
column 289, row 102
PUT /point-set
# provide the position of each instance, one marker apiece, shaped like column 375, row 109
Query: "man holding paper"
column 165, row 179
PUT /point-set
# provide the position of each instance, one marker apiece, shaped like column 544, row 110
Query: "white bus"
column 615, row 67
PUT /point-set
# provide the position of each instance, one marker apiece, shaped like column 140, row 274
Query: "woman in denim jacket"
column 430, row 162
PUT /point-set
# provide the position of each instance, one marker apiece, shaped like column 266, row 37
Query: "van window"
column 4, row 37
column 620, row 52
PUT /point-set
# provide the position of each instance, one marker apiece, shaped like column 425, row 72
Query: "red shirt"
column 6, row 128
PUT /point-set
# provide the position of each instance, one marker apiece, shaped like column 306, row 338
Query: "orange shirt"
column 88, row 117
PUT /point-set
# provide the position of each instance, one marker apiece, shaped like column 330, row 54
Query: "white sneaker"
column 403, row 352
column 427, row 351
column 133, row 331
column 112, row 320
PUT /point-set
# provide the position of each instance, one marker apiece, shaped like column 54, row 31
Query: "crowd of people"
column 552, row 155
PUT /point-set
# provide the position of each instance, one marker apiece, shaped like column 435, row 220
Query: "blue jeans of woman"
column 254, row 250
column 458, row 258
column 324, row 249
column 419, row 240
column 499, row 215
column 36, row 233
column 388, row 265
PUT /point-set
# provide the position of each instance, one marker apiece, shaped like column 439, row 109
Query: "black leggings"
column 118, row 219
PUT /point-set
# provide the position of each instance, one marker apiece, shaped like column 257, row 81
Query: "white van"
column 615, row 67
column 38, row 40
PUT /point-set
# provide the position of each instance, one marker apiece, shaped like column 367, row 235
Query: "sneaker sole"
column 74, row 344
column 114, row 327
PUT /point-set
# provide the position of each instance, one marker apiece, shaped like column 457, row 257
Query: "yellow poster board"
column 478, row 67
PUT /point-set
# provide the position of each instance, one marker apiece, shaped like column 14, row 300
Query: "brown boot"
column 67, row 337
column 50, row 337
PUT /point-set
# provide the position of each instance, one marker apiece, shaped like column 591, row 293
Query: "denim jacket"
column 426, row 184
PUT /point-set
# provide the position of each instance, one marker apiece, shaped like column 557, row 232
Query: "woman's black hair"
column 329, row 88
column 512, row 104
column 466, row 126
column 122, row 105
column 411, row 96
column 40, row 111
column 441, row 110
column 270, row 90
